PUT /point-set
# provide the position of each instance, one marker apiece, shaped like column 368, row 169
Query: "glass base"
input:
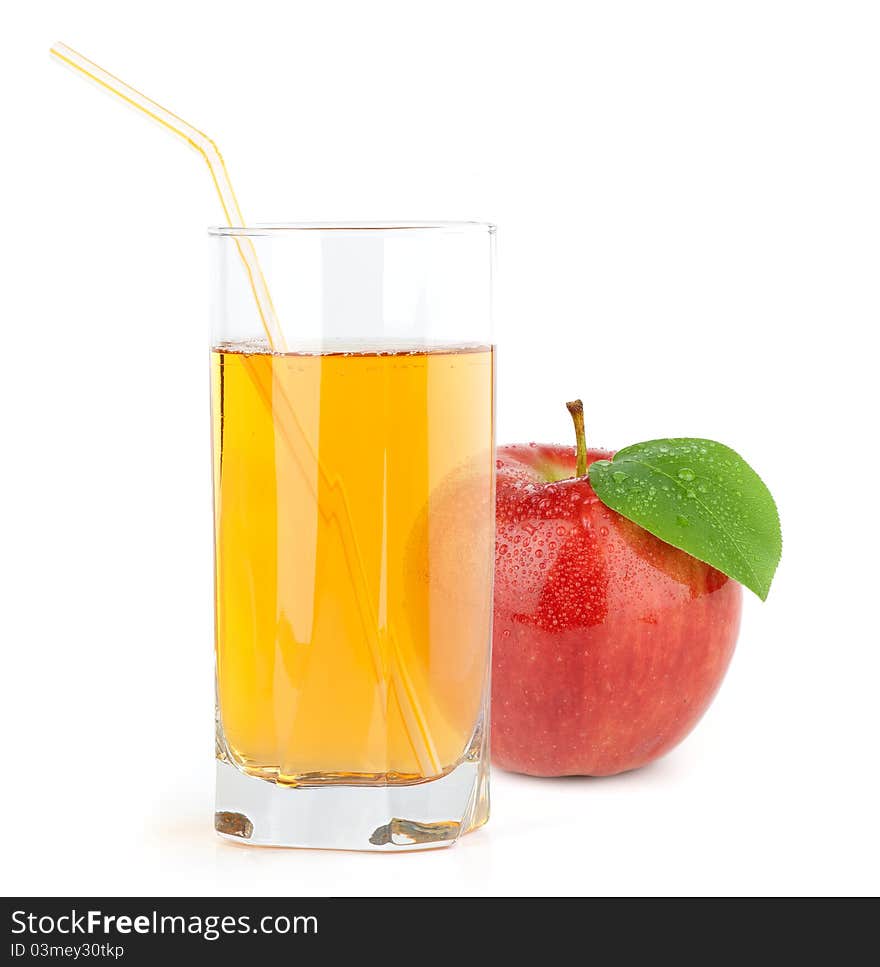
column 424, row 815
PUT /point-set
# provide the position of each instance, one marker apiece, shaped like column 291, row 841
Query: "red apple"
column 609, row 644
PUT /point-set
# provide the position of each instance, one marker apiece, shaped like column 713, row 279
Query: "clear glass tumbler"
column 354, row 532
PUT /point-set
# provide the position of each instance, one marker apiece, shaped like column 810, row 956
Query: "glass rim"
column 286, row 228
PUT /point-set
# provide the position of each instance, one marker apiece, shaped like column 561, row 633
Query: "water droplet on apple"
column 503, row 549
column 686, row 474
column 561, row 531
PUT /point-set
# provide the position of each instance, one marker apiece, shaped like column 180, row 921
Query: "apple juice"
column 353, row 498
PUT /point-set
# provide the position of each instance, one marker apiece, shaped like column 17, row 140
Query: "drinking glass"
column 354, row 533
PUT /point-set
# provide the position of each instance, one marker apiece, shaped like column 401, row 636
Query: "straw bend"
column 208, row 149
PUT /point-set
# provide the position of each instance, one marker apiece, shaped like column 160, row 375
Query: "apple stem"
column 576, row 408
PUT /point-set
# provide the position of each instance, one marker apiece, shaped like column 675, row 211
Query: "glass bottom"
column 424, row 815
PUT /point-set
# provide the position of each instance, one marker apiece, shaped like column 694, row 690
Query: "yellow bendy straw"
column 414, row 717
column 211, row 153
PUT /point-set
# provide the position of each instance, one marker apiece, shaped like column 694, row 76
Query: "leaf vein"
column 712, row 515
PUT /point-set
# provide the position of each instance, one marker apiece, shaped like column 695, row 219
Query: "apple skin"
column 608, row 643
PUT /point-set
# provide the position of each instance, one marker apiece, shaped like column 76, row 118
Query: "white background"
column 688, row 202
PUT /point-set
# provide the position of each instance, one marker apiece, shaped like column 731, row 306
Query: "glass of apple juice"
column 353, row 463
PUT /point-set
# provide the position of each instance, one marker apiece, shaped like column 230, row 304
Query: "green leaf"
column 699, row 496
